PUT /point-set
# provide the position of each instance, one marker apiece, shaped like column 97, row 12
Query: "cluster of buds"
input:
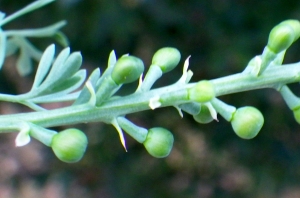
column 197, row 99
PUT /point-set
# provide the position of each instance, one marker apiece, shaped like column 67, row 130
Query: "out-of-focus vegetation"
column 207, row 160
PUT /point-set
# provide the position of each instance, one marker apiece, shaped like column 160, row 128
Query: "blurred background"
column 207, row 160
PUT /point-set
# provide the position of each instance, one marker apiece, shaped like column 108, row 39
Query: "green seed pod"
column 204, row 116
column 127, row 70
column 166, row 58
column 283, row 35
column 247, row 122
column 297, row 114
column 69, row 145
column 159, row 142
column 203, row 91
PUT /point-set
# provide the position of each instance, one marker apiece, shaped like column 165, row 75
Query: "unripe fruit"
column 203, row 116
column 166, row 58
column 159, row 142
column 247, row 122
column 203, row 91
column 69, row 145
column 127, row 70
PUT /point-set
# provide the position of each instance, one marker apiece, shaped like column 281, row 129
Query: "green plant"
column 59, row 78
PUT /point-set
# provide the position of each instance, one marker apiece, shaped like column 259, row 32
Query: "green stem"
column 39, row 32
column 271, row 78
column 33, row 6
column 137, row 102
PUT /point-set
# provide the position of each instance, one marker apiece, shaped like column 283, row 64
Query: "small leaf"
column 59, row 61
column 212, row 111
column 23, row 137
column 62, row 89
column 121, row 135
column 107, row 88
column 93, row 99
column 61, row 38
column 112, row 59
column 25, row 45
column 24, row 64
column 60, row 72
column 85, row 93
column 154, row 102
column 70, row 84
column 186, row 74
column 11, row 47
column 253, row 66
column 44, row 66
column 179, row 110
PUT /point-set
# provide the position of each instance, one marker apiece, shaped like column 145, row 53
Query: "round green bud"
column 159, row 142
column 127, row 70
column 203, row 91
column 281, row 37
column 247, row 122
column 297, row 114
column 203, row 116
column 69, row 145
column 295, row 24
column 166, row 58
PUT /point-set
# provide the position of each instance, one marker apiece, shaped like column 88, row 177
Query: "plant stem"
column 119, row 106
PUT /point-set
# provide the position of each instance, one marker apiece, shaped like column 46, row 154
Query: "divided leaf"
column 63, row 68
column 61, row 91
